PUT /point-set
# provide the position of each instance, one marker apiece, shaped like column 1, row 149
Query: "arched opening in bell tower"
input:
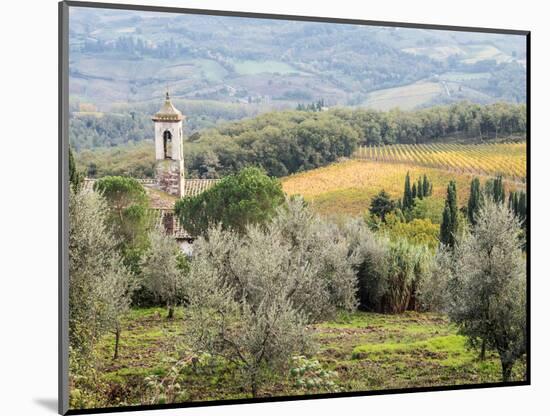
column 167, row 139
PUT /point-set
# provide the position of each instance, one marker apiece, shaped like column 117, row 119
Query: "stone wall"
column 176, row 130
column 170, row 176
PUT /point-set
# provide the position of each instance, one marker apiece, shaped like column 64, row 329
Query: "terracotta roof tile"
column 194, row 187
column 162, row 204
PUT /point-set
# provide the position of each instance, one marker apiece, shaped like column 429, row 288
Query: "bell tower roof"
column 168, row 112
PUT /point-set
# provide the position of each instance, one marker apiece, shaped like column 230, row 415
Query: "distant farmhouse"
column 170, row 184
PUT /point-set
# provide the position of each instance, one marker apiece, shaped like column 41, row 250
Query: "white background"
column 28, row 204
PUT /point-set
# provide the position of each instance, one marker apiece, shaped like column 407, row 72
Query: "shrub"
column 309, row 375
column 420, row 232
column 428, row 208
column 389, row 271
column 381, row 205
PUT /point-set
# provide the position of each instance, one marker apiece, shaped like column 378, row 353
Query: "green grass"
column 368, row 351
column 451, row 347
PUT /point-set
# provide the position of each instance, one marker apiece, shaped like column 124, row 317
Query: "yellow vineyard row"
column 506, row 159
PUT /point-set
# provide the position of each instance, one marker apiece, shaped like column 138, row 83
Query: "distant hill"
column 128, row 58
column 286, row 142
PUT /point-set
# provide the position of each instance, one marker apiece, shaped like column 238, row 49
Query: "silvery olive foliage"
column 433, row 294
column 319, row 247
column 161, row 273
column 100, row 285
column 252, row 296
column 487, row 289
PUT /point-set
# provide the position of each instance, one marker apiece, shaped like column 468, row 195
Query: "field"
column 407, row 97
column 367, row 351
column 118, row 57
column 250, row 67
column 347, row 187
column 467, row 53
column 506, row 159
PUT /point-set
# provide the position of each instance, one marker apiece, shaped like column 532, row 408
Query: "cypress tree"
column 413, row 194
column 500, row 195
column 75, row 177
column 451, row 197
column 444, row 228
column 517, row 203
column 425, row 186
column 513, row 202
column 475, row 200
column 407, row 194
column 522, row 207
column 494, row 188
column 489, row 188
column 449, row 223
column 420, row 189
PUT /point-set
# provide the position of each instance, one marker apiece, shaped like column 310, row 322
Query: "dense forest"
column 292, row 141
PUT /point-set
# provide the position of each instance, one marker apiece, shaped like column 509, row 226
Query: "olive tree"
column 251, row 296
column 432, row 292
column 319, row 246
column 100, row 286
column 488, row 285
column 161, row 270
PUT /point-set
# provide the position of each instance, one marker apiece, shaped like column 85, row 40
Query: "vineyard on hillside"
column 348, row 187
column 506, row 159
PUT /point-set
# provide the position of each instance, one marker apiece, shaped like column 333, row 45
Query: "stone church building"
column 170, row 171
column 170, row 183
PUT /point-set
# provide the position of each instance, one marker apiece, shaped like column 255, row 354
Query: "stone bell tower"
column 169, row 149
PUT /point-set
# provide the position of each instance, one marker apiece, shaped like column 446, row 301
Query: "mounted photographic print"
column 265, row 207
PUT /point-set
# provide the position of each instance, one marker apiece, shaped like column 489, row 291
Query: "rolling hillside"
column 348, row 187
column 117, row 57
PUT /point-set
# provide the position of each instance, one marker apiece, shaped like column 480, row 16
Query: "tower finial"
column 167, row 94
